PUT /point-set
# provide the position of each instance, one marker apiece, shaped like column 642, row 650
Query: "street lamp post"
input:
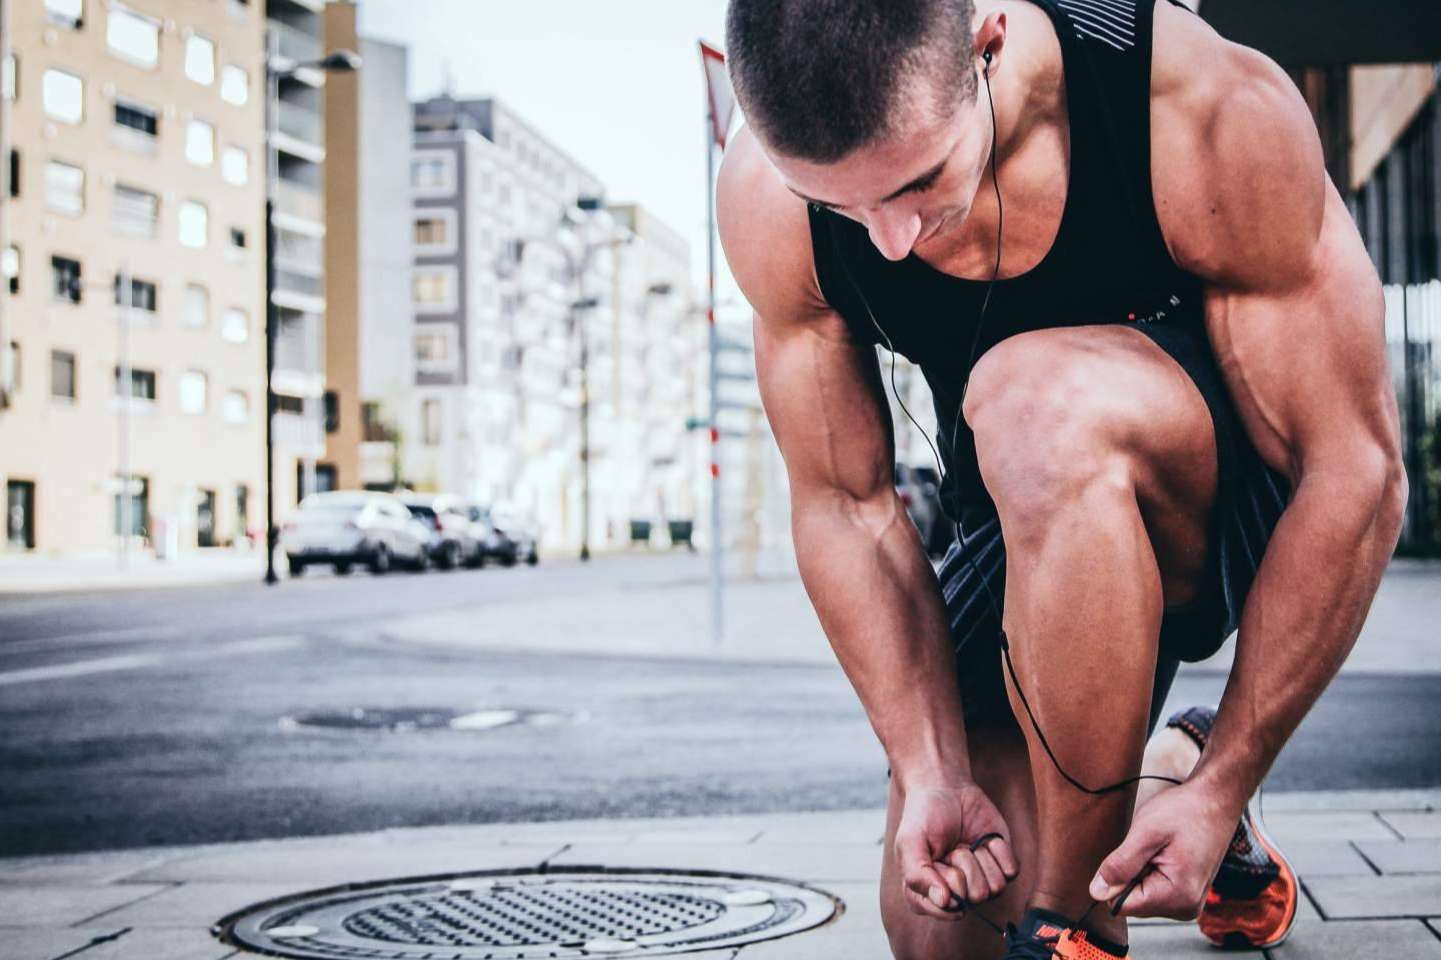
column 338, row 61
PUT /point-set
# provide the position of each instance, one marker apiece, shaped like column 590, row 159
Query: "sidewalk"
column 1370, row 865
column 31, row 573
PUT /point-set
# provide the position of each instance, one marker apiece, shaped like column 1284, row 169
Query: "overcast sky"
column 617, row 85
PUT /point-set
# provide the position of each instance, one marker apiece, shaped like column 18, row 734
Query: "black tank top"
column 1108, row 264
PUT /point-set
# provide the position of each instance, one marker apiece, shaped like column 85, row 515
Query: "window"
column 433, row 231
column 62, row 375
column 137, row 117
column 132, row 506
column 332, row 411
column 11, row 265
column 67, row 283
column 63, row 95
column 234, row 85
column 432, row 349
column 133, row 37
column 235, row 166
column 200, row 59
column 141, row 294
column 7, row 76
column 235, row 326
column 135, row 212
column 194, row 224
column 192, row 392
column 238, row 239
column 13, row 174
column 434, row 289
column 235, row 408
column 286, row 403
column 64, row 188
column 433, row 173
column 140, row 387
column 200, row 143
column 10, row 362
column 430, row 422
column 196, row 311
column 65, row 13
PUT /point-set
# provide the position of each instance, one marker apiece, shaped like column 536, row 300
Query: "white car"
column 345, row 528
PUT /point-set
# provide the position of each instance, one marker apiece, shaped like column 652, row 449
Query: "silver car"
column 346, row 528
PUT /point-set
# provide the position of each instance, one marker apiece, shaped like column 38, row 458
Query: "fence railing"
column 1413, row 340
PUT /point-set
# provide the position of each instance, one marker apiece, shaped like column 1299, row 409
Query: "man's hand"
column 1175, row 846
column 933, row 847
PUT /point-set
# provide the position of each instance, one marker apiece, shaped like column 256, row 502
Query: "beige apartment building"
column 133, row 321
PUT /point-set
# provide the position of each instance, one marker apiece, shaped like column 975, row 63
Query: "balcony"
column 301, row 123
column 294, row 45
column 303, row 434
column 298, row 253
column 299, row 201
column 299, row 284
column 297, row 345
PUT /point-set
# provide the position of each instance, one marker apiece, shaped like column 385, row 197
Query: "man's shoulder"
column 1237, row 171
column 765, row 230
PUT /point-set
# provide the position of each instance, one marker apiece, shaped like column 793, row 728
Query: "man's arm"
column 1296, row 316
column 859, row 555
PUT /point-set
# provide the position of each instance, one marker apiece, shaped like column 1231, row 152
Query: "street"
column 184, row 715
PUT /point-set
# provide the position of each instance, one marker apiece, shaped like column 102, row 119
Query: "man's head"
column 869, row 107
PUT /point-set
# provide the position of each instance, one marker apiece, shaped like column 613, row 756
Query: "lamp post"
column 338, row 61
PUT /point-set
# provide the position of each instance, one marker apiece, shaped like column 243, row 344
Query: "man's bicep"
column 822, row 393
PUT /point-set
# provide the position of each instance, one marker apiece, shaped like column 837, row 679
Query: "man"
column 1107, row 238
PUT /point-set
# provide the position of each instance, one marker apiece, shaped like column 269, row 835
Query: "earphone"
column 956, row 522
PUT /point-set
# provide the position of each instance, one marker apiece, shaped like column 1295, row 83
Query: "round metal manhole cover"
column 530, row 915
column 409, row 719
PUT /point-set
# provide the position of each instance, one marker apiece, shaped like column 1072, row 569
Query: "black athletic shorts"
column 1249, row 500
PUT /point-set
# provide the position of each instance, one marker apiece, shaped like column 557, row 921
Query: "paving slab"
column 1416, row 825
column 863, row 826
column 197, row 905
column 63, row 905
column 1296, row 827
column 83, row 869
column 814, row 863
column 151, row 944
column 1404, row 856
column 1372, row 897
column 1327, row 858
column 42, row 943
column 1178, row 941
column 1362, row 940
column 347, row 864
column 856, row 934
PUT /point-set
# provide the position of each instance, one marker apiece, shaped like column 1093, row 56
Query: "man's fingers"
column 1000, row 848
column 995, row 876
column 1157, row 895
column 978, row 888
column 921, row 898
column 1123, row 865
column 956, row 887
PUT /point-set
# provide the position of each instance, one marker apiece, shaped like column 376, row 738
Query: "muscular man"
column 1154, row 339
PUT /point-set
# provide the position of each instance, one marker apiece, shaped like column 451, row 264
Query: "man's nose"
column 894, row 234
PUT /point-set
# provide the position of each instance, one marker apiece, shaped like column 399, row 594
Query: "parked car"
column 453, row 541
column 514, row 537
column 920, row 491
column 344, row 528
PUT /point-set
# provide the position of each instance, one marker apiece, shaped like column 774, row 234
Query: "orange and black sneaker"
column 1252, row 901
column 1043, row 935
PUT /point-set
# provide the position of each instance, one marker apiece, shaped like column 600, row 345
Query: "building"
column 295, row 37
column 132, row 321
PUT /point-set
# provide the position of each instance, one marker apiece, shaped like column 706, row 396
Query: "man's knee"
column 1048, row 433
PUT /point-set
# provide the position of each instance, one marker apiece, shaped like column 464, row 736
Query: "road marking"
column 93, row 638
column 136, row 661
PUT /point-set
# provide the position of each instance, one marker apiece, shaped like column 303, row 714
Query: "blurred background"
column 429, row 284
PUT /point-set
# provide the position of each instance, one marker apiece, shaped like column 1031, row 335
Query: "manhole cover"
column 406, row 719
column 524, row 915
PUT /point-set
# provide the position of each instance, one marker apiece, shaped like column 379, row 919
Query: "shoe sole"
column 1253, row 813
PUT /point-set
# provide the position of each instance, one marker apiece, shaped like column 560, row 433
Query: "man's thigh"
column 1001, row 766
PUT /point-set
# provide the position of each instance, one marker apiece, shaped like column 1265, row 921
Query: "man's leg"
column 1100, row 455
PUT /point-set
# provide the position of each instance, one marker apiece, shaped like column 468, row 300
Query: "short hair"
column 819, row 79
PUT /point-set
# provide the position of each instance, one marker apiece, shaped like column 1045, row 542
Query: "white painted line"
column 136, row 661
column 94, row 638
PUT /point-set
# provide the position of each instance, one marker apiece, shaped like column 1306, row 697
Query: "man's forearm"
column 1304, row 613
column 876, row 596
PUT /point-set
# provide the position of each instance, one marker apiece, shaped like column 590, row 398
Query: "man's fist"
column 940, row 872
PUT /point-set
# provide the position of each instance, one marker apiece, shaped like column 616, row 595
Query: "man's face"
column 916, row 184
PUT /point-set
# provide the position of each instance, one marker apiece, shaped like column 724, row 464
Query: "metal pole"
column 716, row 556
column 5, row 200
column 125, row 292
column 580, row 326
column 272, row 172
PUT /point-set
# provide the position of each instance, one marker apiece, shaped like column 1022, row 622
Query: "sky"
column 618, row 85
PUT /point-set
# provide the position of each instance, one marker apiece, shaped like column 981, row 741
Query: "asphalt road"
column 168, row 717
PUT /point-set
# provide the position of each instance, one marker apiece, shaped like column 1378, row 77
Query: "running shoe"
column 1044, row 935
column 1252, row 901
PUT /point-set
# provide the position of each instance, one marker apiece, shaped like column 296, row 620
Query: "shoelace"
column 1028, row 948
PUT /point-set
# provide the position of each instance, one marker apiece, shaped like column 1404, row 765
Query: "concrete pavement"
column 1372, row 878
